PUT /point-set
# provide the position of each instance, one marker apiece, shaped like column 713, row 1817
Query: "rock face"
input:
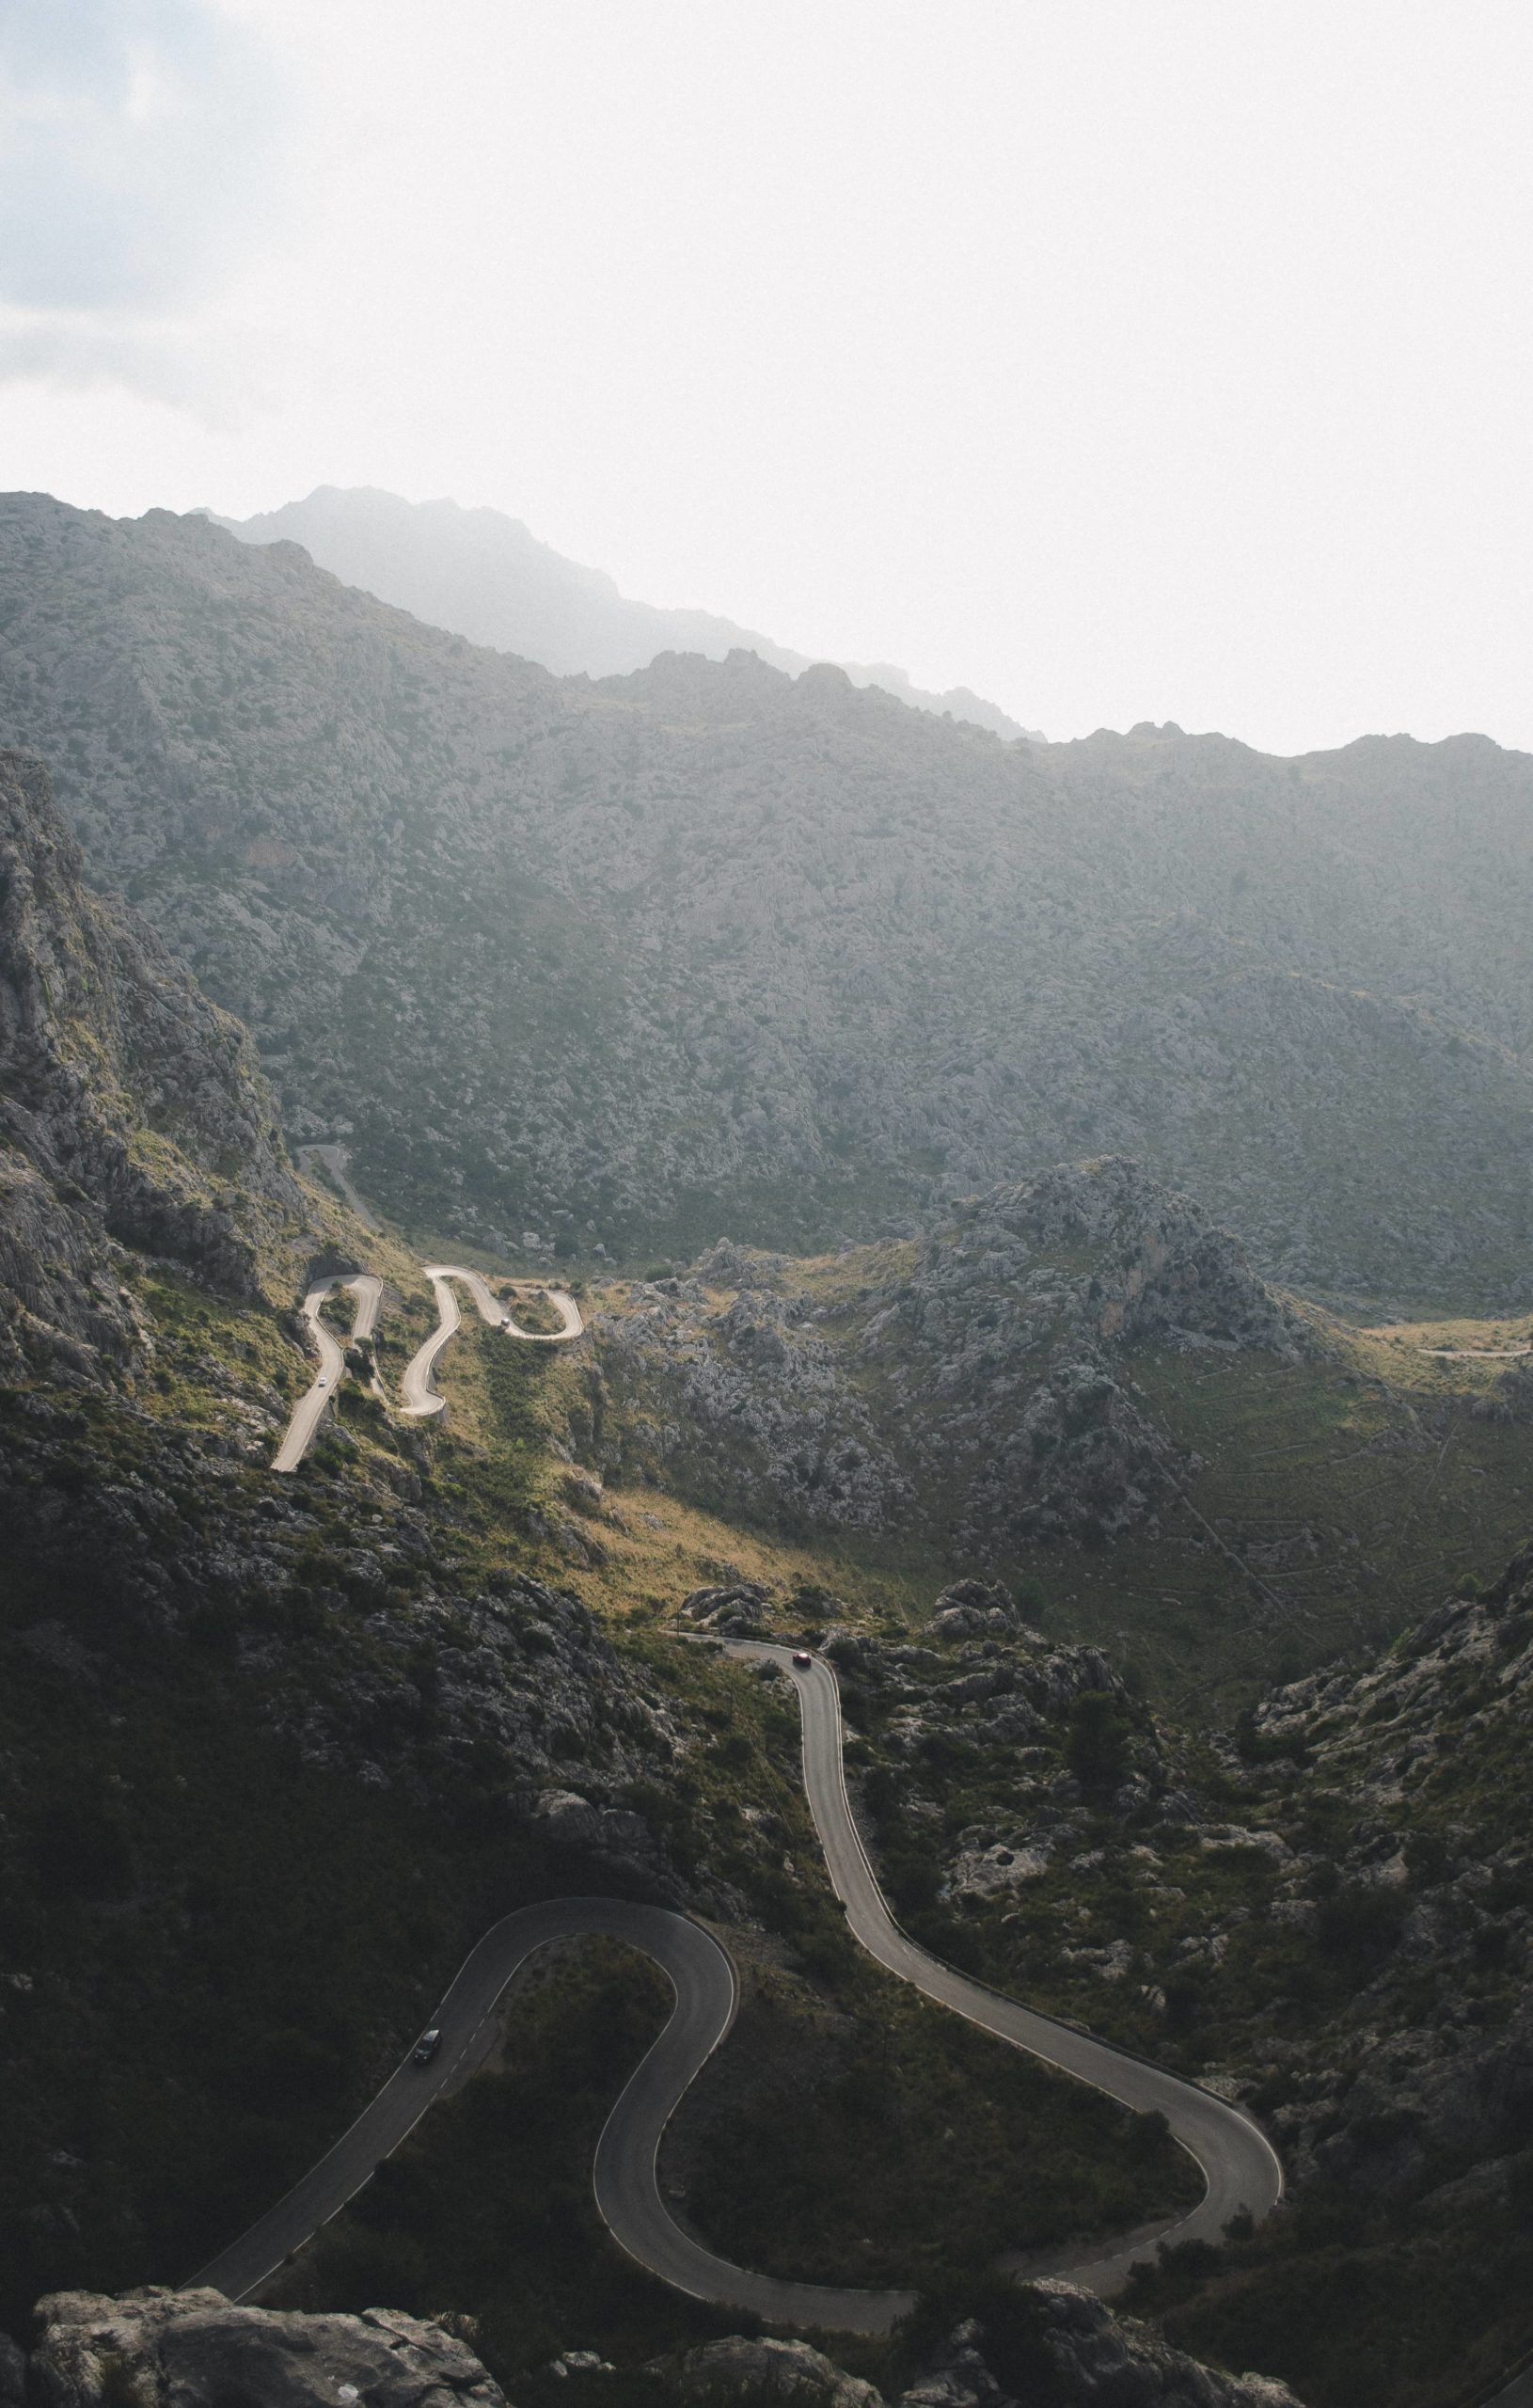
column 750, row 1400
column 132, row 1112
column 1161, row 1269
column 981, row 1386
column 778, row 956
column 1431, row 2069
column 733, row 1611
column 1084, row 2354
column 978, row 1610
column 1006, row 1347
column 1076, row 2353
column 196, row 2349
column 766, row 2370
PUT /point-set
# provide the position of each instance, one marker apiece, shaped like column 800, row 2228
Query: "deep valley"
column 1039, row 1233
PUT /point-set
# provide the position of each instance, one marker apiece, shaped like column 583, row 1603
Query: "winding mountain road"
column 1477, row 1353
column 419, row 1392
column 1240, row 2166
column 368, row 1290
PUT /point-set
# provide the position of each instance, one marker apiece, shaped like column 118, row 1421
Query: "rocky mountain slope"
column 132, row 1110
column 194, row 2347
column 1327, row 1912
column 294, row 1741
column 1053, row 2346
column 196, row 1659
column 484, row 576
column 709, row 947
column 970, row 1384
column 1081, row 1383
column 1378, row 1997
column 225, row 1703
column 1429, row 1748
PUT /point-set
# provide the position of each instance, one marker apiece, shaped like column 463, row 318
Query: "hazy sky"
column 1121, row 359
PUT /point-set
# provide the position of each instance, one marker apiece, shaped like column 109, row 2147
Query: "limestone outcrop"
column 978, row 1386
column 1056, row 2343
column 198, row 2350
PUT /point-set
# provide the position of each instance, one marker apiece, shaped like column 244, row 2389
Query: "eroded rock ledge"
column 195, row 2350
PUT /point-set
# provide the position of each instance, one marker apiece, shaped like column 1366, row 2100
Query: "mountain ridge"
column 719, row 948
column 481, row 574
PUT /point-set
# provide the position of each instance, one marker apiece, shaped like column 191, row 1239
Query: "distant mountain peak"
column 487, row 577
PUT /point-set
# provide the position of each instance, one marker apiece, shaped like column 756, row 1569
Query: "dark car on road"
column 802, row 1658
column 426, row 2047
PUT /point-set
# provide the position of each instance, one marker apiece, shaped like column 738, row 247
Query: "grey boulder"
column 196, row 2349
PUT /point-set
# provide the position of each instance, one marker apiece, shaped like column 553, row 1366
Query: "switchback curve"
column 418, row 1385
column 368, row 1290
column 420, row 1391
column 1240, row 2166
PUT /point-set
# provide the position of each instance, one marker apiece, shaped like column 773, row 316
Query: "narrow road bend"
column 1239, row 2164
column 421, row 1396
column 418, row 1387
column 368, row 1290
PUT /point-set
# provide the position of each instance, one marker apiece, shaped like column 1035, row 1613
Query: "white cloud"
column 220, row 377
column 139, row 146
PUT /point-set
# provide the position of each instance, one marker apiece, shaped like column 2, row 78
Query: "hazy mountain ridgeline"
column 485, row 577
column 706, row 948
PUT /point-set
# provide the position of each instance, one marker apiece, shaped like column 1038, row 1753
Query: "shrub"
column 81, row 1849
column 1012, row 2321
column 1097, row 1742
column 117, row 2388
column 1360, row 1923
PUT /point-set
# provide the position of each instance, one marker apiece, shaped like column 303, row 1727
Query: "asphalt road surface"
column 1475, row 1354
column 419, row 1386
column 1239, row 2164
column 627, row 2189
column 368, row 1290
column 420, row 1390
column 1518, row 2392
